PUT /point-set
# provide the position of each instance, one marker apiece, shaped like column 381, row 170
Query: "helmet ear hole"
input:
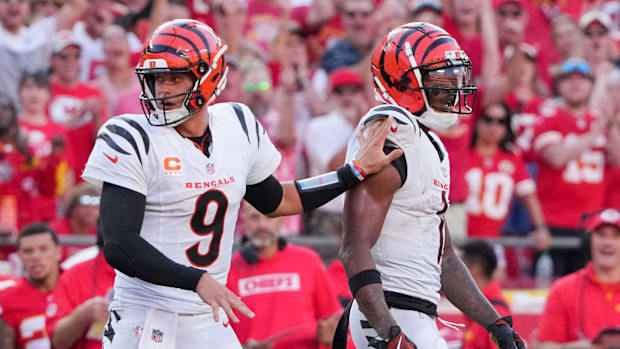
column 202, row 68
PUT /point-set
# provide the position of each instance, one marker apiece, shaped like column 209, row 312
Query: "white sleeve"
column 119, row 156
column 264, row 158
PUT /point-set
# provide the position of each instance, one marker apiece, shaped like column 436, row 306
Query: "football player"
column 397, row 251
column 172, row 185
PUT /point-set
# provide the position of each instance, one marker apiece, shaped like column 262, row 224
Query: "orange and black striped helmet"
column 420, row 67
column 182, row 45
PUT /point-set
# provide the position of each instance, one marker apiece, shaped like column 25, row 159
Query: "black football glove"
column 398, row 340
column 504, row 336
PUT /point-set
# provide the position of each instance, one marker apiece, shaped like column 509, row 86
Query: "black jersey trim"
column 117, row 130
column 143, row 134
column 239, row 112
column 110, row 142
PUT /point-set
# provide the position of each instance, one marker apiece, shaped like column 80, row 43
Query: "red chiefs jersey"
column 492, row 182
column 565, row 193
column 476, row 336
column 294, row 279
column 22, row 185
column 66, row 108
column 24, row 308
column 78, row 284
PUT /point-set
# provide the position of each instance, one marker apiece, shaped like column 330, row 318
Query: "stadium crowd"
column 538, row 159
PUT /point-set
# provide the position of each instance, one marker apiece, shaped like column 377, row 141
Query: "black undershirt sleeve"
column 265, row 196
column 122, row 213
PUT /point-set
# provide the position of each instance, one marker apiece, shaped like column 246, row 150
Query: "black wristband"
column 363, row 278
column 319, row 190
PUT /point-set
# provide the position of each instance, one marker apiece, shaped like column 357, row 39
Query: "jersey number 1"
column 216, row 227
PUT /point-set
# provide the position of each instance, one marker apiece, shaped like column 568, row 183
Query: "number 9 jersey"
column 192, row 200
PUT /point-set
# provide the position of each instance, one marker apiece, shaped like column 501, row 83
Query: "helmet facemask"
column 446, row 87
column 154, row 107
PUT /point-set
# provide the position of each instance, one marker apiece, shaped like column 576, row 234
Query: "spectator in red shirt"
column 570, row 146
column 24, row 178
column 77, row 106
column 496, row 173
column 583, row 303
column 480, row 259
column 268, row 271
column 24, row 306
column 44, row 137
column 82, row 297
column 80, row 218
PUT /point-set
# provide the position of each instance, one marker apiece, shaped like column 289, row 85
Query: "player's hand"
column 218, row 296
column 370, row 155
column 504, row 336
column 96, row 309
column 398, row 340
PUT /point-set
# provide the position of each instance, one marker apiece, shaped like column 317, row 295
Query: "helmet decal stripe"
column 180, row 37
column 198, row 33
column 435, row 44
column 399, row 47
column 158, row 48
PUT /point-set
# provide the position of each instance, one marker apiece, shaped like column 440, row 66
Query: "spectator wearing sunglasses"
column 275, row 109
column 325, row 143
column 80, row 218
column 571, row 150
column 495, row 174
column 598, row 45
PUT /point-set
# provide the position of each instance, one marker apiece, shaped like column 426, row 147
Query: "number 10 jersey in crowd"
column 192, row 200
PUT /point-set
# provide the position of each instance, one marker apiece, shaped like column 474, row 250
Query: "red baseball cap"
column 607, row 216
column 344, row 76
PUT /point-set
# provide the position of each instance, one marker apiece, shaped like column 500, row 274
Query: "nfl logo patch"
column 210, row 168
column 139, row 329
column 157, row 336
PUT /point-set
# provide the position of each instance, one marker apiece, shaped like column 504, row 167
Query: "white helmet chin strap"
column 437, row 121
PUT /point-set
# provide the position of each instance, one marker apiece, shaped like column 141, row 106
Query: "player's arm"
column 460, row 289
column 274, row 199
column 7, row 336
column 122, row 213
column 364, row 212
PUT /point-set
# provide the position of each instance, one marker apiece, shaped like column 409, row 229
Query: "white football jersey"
column 192, row 200
column 408, row 251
